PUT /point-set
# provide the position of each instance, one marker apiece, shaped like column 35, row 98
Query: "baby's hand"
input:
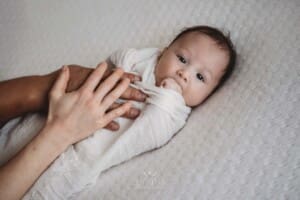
column 170, row 83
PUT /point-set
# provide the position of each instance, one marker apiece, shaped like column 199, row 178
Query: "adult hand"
column 80, row 113
column 78, row 75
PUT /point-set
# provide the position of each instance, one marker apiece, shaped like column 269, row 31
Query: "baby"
column 195, row 64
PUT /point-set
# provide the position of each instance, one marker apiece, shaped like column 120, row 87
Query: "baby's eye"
column 200, row 77
column 181, row 59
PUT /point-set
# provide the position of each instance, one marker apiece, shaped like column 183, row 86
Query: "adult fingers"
column 108, row 117
column 94, row 78
column 113, row 126
column 112, row 96
column 108, row 84
column 134, row 94
column 132, row 113
column 61, row 83
column 132, row 77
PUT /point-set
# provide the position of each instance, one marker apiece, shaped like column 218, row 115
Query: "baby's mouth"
column 171, row 83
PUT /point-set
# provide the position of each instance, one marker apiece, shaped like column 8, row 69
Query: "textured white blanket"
column 243, row 143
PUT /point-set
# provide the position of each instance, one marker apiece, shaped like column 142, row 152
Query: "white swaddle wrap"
column 80, row 165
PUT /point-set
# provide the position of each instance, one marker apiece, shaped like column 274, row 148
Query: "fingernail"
column 115, row 126
column 142, row 96
column 137, row 78
column 64, row 68
column 135, row 113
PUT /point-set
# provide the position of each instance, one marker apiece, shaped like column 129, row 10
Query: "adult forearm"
column 30, row 94
column 18, row 175
column 22, row 95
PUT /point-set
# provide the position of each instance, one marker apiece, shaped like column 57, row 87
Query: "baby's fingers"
column 60, row 84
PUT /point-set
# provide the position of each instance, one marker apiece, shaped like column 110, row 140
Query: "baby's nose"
column 183, row 74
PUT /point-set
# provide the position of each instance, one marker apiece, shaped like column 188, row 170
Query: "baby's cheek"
column 195, row 97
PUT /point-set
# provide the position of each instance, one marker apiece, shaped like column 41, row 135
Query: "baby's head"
column 196, row 63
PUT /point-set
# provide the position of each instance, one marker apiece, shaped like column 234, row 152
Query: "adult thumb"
column 60, row 85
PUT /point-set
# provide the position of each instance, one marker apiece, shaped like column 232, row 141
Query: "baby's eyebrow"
column 187, row 50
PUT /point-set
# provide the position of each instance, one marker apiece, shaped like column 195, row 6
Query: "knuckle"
column 101, row 123
column 85, row 94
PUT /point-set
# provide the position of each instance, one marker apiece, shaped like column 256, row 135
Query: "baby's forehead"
column 199, row 42
column 194, row 37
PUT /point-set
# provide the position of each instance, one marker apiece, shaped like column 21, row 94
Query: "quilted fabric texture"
column 243, row 143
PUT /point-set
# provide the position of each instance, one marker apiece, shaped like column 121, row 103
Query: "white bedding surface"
column 243, row 143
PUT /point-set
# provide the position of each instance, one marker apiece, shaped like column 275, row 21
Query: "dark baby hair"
column 223, row 42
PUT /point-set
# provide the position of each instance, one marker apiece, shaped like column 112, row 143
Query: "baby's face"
column 195, row 64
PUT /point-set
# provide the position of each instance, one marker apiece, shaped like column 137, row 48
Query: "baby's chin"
column 170, row 83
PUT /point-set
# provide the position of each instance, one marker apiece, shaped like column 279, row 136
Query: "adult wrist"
column 55, row 134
